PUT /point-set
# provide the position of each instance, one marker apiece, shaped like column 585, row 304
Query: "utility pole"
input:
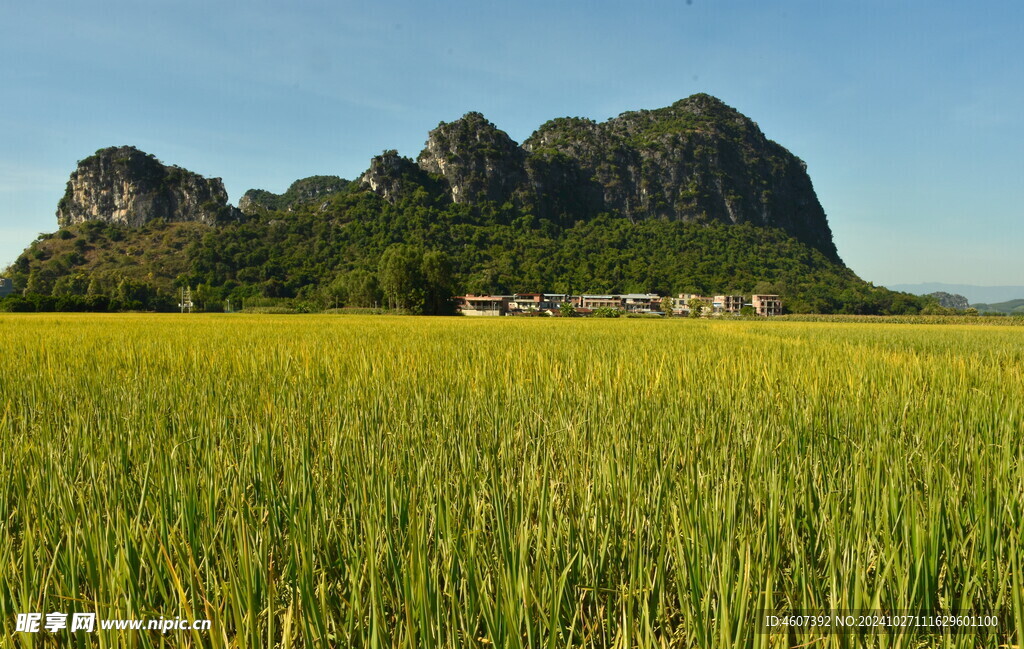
column 186, row 299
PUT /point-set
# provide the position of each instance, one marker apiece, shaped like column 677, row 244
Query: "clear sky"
column 909, row 114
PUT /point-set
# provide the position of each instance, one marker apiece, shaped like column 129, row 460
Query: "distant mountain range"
column 974, row 294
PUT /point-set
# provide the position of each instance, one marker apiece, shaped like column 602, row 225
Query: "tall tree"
column 437, row 277
column 401, row 277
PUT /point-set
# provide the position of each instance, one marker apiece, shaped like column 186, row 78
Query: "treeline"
column 409, row 279
column 84, row 294
column 353, row 249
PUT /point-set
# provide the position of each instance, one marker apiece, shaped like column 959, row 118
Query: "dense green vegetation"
column 300, row 191
column 329, row 253
column 514, row 482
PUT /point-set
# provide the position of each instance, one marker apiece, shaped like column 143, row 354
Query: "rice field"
column 333, row 481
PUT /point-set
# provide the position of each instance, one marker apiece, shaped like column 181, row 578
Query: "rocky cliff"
column 950, row 300
column 479, row 161
column 125, row 186
column 697, row 160
column 393, row 176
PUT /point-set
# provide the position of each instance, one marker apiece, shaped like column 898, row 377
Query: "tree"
column 667, row 303
column 696, row 307
column 95, row 287
column 567, row 309
column 273, row 287
column 437, row 279
column 203, row 294
column 361, row 289
column 606, row 312
column 336, row 292
column 401, row 277
column 132, row 294
column 76, row 284
column 41, row 281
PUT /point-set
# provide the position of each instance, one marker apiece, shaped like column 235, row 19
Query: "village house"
column 526, row 302
column 682, row 306
column 537, row 302
column 550, row 303
column 483, row 305
column 727, row 304
column 766, row 305
column 601, row 301
column 641, row 302
column 6, row 287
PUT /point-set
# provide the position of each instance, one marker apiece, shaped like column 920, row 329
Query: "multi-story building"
column 602, row 301
column 6, row 287
column 483, row 305
column 536, row 302
column 727, row 304
column 526, row 302
column 684, row 299
column 766, row 305
column 556, row 300
column 640, row 302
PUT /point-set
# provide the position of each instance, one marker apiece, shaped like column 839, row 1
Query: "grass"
column 998, row 320
column 415, row 482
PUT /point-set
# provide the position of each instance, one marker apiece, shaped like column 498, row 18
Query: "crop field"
column 336, row 481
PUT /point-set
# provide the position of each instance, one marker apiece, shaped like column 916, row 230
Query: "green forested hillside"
column 336, row 251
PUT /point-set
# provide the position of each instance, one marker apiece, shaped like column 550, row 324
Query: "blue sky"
column 908, row 114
